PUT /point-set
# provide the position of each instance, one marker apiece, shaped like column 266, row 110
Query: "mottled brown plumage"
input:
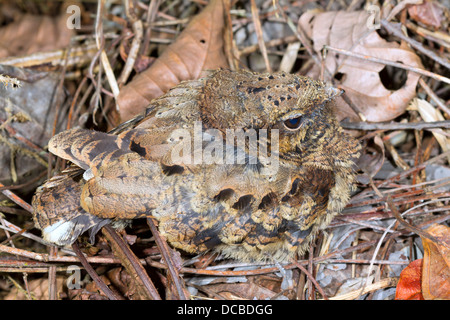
column 257, row 209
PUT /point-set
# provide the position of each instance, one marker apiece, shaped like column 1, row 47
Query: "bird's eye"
column 293, row 124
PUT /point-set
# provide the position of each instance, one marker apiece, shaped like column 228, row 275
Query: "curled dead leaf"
column 359, row 78
column 199, row 47
column 409, row 286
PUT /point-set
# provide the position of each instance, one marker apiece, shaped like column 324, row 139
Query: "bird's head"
column 297, row 106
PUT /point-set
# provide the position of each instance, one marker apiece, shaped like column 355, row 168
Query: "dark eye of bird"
column 292, row 124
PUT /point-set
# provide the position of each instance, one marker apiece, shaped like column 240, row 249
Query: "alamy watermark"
column 235, row 146
column 74, row 20
column 373, row 22
column 74, row 280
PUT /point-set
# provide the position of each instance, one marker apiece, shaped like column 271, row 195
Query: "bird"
column 249, row 165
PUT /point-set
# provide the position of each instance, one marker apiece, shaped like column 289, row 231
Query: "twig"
column 434, row 97
column 52, row 294
column 74, row 101
column 131, row 263
column 384, row 283
column 47, row 258
column 151, row 15
column 350, row 103
column 104, row 58
column 165, row 252
column 101, row 285
column 412, row 228
column 400, row 7
column 268, row 44
column 240, row 273
column 80, row 55
column 415, row 44
column 12, row 196
column 390, row 63
column 259, row 35
column 383, row 236
column 20, row 186
column 135, row 43
column 437, row 36
column 413, row 169
column 299, row 33
column 395, row 125
column 310, row 277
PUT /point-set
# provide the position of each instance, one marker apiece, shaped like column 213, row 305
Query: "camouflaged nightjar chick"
column 255, row 209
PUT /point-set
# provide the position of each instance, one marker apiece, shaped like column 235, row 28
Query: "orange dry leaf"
column 436, row 264
column 409, row 286
column 353, row 31
column 199, row 47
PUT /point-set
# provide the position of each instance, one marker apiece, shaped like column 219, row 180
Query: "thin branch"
column 390, row 63
column 395, row 125
column 101, row 285
column 434, row 97
column 310, row 277
column 165, row 252
column 414, row 43
column 131, row 263
column 259, row 34
column 412, row 228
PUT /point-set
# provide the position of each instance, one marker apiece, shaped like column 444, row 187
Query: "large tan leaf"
column 199, row 47
column 361, row 79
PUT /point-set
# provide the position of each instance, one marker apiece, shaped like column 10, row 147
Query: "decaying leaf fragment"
column 353, row 32
column 436, row 264
column 199, row 47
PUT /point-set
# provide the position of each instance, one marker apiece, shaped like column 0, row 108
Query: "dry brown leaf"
column 34, row 33
column 436, row 264
column 38, row 289
column 241, row 291
column 361, row 78
column 199, row 47
column 429, row 13
column 123, row 282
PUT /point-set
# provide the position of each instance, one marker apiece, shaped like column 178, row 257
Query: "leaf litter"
column 389, row 80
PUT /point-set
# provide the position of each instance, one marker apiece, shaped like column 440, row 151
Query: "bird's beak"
column 333, row 92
